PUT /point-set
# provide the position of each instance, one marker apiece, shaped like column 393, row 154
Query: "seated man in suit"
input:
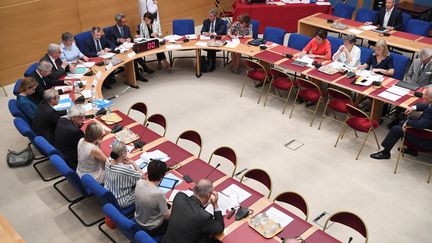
column 212, row 26
column 98, row 45
column 68, row 133
column 41, row 76
column 46, row 118
column 389, row 17
column 397, row 132
column 420, row 72
column 119, row 34
column 189, row 221
column 59, row 68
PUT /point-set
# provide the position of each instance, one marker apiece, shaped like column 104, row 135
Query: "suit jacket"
column 423, row 122
column 56, row 73
column 395, row 19
column 90, row 47
column 414, row 76
column 45, row 121
column 66, row 138
column 43, row 84
column 219, row 26
column 190, row 223
column 144, row 31
column 114, row 33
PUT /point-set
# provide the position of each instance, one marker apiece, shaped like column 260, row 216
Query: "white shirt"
column 147, row 6
column 355, row 57
column 387, row 17
column 54, row 62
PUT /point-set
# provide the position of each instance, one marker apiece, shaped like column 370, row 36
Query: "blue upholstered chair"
column 405, row 19
column 15, row 110
column 255, row 28
column 47, row 150
column 418, row 27
column 16, row 87
column 366, row 15
column 106, row 30
column 400, row 63
column 183, row 27
column 127, row 226
column 30, row 69
column 335, row 43
column 81, row 38
column 298, row 41
column 275, row 35
column 24, row 129
column 142, row 237
column 343, row 10
column 364, row 54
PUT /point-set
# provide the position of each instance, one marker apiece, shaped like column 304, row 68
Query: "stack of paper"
column 369, row 76
column 233, row 43
column 355, row 31
column 175, row 191
column 74, row 75
column 191, row 37
column 203, row 37
column 173, row 47
column 64, row 103
column 173, row 38
column 86, row 64
column 368, row 27
column 306, row 59
column 389, row 96
column 398, row 90
column 154, row 155
column 107, row 55
column 236, row 193
column 86, row 93
column 201, row 43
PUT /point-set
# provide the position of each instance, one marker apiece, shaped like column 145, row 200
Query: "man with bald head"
column 397, row 132
column 189, row 221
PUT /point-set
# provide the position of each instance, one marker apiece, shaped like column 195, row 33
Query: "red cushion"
column 361, row 124
column 257, row 74
column 309, row 94
column 415, row 147
column 339, row 104
column 282, row 83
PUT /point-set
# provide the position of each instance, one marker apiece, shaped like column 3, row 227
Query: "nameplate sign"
column 108, row 67
column 130, row 55
column 98, row 75
column 95, row 82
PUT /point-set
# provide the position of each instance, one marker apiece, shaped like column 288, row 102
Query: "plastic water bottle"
column 93, row 99
column 76, row 88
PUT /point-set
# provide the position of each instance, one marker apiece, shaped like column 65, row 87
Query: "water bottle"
column 93, row 99
column 76, row 87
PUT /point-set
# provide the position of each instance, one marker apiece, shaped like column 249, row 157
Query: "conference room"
column 216, row 121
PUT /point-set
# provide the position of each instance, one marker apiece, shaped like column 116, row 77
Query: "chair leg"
column 364, row 141
column 40, row 173
column 401, row 151
column 356, row 134
column 286, row 101
column 61, row 193
column 81, row 199
column 170, row 55
column 341, row 134
column 244, row 83
column 316, row 109
column 262, row 89
column 106, row 233
column 268, row 92
column 376, row 139
column 4, row 90
column 430, row 175
column 323, row 115
column 295, row 100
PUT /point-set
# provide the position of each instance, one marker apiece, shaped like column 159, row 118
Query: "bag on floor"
column 18, row 159
column 205, row 66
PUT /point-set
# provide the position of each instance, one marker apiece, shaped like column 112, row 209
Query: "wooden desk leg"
column 130, row 75
column 198, row 63
column 306, row 29
column 376, row 109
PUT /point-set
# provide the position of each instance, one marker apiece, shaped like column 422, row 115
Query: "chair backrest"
column 252, row 65
column 343, row 10
column 275, row 35
column 102, row 194
column 23, row 127
column 142, row 237
column 336, row 94
column 192, row 136
column 293, row 199
column 400, row 63
column 140, row 107
column 16, row 111
column 81, row 38
column 356, row 112
column 127, row 226
column 45, row 147
column 351, row 220
column 335, row 43
column 298, row 41
column 30, row 69
column 158, row 119
column 70, row 175
column 366, row 15
column 16, row 87
column 225, row 27
column 276, row 73
column 418, row 134
column 364, row 54
column 106, row 30
column 227, row 153
column 259, row 175
column 183, row 27
column 418, row 27
column 306, row 84
column 255, row 28
column 405, row 19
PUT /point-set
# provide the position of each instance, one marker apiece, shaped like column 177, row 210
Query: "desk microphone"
column 350, row 239
column 212, row 171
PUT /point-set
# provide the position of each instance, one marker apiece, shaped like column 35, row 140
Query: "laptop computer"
column 405, row 85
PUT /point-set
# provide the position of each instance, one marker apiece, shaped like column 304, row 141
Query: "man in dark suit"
column 212, row 26
column 41, row 76
column 45, row 120
column 68, row 133
column 189, row 221
column 397, row 132
column 389, row 17
column 59, row 68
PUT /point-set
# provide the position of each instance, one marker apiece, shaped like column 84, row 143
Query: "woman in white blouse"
column 348, row 53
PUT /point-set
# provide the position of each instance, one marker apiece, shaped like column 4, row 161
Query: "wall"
column 28, row 26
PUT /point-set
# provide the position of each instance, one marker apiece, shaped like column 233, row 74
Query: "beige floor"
column 396, row 208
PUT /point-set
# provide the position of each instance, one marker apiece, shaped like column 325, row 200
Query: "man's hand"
column 408, row 111
column 64, row 64
column 404, row 126
column 72, row 68
column 154, row 34
column 66, row 89
column 214, row 199
column 128, row 40
column 85, row 58
column 206, row 34
column 389, row 28
column 121, row 40
column 107, row 49
column 368, row 23
column 67, row 82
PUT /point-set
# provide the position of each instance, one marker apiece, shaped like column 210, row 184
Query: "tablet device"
column 143, row 165
column 168, row 183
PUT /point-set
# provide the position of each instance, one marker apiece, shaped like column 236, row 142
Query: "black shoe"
column 380, row 155
column 148, row 70
column 409, row 151
column 106, row 86
column 310, row 103
column 259, row 85
column 139, row 77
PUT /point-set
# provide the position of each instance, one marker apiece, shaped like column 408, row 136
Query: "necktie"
column 98, row 46
column 211, row 27
column 422, row 69
column 121, row 32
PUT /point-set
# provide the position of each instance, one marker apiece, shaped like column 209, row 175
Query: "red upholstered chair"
column 280, row 81
column 337, row 101
column 294, row 199
column 416, row 134
column 260, row 176
column 140, row 107
column 351, row 220
column 359, row 121
column 257, row 73
column 227, row 153
column 308, row 91
column 192, row 136
column 158, row 119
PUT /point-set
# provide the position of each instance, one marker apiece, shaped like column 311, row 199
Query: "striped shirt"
column 121, row 179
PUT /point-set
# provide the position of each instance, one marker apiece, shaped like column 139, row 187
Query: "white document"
column 87, row 107
column 86, row 93
column 224, row 203
column 389, row 96
column 107, row 55
column 203, row 37
column 175, row 191
column 191, row 37
column 173, row 38
column 233, row 43
column 127, row 45
column 154, row 155
column 98, row 74
column 369, row 76
column 109, row 66
column 86, row 65
column 173, row 47
column 201, row 43
column 306, row 59
column 63, row 106
column 237, row 193
column 323, row 3
column 398, row 90
column 279, row 217
column 74, row 75
column 276, row 3
column 368, row 27
column 355, row 31
column 337, row 65
column 64, row 97
column 63, row 87
column 130, row 55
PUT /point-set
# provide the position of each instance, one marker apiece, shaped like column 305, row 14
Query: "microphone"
column 212, row 171
column 350, row 239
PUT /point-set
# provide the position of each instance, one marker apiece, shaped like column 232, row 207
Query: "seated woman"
column 241, row 28
column 348, row 53
column 121, row 175
column 27, row 87
column 150, row 28
column 69, row 51
column 318, row 47
column 380, row 61
column 91, row 159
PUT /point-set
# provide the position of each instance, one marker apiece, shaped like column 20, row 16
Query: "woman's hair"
column 118, row 149
column 382, row 43
column 156, row 170
column 149, row 16
column 93, row 132
column 350, row 38
column 321, row 33
column 67, row 36
column 244, row 18
column 27, row 83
